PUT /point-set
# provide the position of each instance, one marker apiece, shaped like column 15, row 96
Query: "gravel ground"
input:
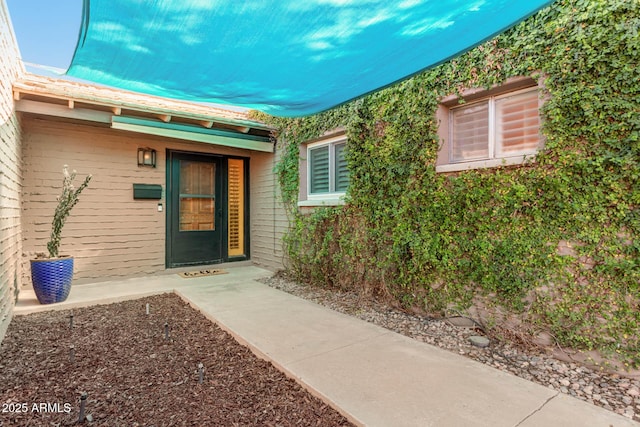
column 136, row 374
column 610, row 391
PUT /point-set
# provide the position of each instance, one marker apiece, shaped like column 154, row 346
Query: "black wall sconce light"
column 147, row 157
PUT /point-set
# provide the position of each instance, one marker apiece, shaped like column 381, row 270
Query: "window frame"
column 492, row 125
column 331, row 143
column 448, row 105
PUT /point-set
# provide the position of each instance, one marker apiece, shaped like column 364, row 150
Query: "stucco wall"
column 10, row 173
column 110, row 234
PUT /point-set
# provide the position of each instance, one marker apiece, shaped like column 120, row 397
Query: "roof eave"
column 72, row 92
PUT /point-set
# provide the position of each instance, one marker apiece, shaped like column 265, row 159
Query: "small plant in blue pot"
column 52, row 275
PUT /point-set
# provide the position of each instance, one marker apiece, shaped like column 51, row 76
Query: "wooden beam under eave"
column 16, row 95
column 71, row 104
column 165, row 117
column 207, row 123
column 242, row 129
column 227, row 139
column 57, row 110
column 116, row 111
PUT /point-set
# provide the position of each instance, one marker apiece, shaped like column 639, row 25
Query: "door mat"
column 201, row 273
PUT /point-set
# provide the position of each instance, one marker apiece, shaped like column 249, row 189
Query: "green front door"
column 195, row 209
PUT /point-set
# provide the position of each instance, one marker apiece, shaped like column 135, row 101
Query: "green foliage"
column 66, row 201
column 440, row 241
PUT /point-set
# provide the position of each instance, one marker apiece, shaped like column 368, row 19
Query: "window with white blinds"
column 327, row 168
column 497, row 127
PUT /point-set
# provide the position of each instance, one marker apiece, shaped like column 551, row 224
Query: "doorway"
column 207, row 213
column 194, row 209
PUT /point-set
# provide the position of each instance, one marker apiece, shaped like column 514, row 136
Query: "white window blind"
column 319, row 169
column 470, row 132
column 517, row 124
column 341, row 172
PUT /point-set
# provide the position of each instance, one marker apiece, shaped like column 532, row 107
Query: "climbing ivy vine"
column 554, row 242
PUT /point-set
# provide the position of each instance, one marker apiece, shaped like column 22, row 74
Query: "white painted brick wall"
column 10, row 173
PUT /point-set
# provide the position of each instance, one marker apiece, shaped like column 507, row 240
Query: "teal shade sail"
column 284, row 57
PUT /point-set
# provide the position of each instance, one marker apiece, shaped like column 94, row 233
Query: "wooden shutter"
column 517, row 124
column 236, row 208
column 470, row 132
column 341, row 171
column 319, row 170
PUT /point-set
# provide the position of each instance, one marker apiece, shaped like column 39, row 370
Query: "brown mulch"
column 134, row 376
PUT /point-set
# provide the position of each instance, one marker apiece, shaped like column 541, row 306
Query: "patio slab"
column 303, row 329
column 107, row 292
column 392, row 380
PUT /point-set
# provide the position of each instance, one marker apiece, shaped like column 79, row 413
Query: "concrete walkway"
column 373, row 376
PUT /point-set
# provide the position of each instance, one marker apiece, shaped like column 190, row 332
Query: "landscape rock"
column 479, row 341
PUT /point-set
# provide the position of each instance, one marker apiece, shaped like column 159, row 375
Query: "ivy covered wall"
column 552, row 246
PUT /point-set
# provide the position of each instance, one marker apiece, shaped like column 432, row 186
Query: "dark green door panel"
column 195, row 209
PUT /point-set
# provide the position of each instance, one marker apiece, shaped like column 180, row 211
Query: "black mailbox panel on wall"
column 147, row 191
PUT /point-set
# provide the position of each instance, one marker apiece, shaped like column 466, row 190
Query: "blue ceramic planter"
column 51, row 279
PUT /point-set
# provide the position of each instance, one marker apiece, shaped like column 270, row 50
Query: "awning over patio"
column 284, row 57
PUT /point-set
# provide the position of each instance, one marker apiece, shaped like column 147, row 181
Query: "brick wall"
column 10, row 173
